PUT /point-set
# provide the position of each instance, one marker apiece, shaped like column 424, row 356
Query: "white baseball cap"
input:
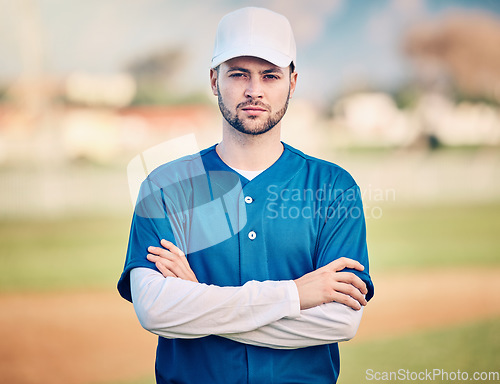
column 256, row 32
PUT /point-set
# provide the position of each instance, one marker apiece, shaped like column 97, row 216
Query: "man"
column 249, row 259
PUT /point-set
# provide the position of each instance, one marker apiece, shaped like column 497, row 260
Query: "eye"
column 237, row 75
column 271, row 77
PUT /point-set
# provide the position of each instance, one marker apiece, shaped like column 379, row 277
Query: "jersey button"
column 252, row 235
column 248, row 200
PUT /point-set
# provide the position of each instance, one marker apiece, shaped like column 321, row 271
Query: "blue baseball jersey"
column 296, row 216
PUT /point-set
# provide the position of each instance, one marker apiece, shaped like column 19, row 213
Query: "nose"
column 254, row 89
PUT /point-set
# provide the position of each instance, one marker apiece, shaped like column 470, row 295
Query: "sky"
column 341, row 43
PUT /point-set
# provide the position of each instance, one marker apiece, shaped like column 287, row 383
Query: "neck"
column 250, row 152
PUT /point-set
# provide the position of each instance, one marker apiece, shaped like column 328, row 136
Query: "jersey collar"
column 282, row 170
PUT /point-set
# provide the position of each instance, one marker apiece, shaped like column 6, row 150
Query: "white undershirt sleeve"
column 324, row 324
column 176, row 308
column 258, row 313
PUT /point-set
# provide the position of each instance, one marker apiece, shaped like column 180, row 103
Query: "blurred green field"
column 62, row 254
column 471, row 348
column 88, row 252
column 435, row 236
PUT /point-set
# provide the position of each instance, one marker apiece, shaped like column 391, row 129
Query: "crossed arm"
column 321, row 307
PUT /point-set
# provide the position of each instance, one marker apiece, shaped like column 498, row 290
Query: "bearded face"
column 252, row 93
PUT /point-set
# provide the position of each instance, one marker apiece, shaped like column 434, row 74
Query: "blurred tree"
column 406, row 96
column 460, row 53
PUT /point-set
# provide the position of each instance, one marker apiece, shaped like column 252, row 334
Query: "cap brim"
column 274, row 57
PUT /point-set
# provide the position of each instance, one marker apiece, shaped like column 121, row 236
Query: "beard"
column 249, row 128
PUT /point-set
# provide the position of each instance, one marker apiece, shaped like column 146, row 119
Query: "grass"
column 435, row 236
column 471, row 348
column 88, row 252
column 60, row 254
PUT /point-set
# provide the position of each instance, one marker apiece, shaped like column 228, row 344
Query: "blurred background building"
column 95, row 83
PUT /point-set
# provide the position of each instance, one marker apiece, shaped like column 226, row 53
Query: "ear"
column 293, row 82
column 213, row 81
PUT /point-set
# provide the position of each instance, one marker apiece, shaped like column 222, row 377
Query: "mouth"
column 253, row 110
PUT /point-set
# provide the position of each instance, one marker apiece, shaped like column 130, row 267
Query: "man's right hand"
column 327, row 284
column 171, row 261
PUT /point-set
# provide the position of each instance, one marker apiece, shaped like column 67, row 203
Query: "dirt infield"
column 414, row 301
column 71, row 338
column 94, row 337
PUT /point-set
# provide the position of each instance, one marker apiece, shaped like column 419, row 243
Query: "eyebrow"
column 272, row 70
column 264, row 72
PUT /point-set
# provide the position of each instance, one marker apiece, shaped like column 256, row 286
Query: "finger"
column 155, row 258
column 170, row 264
column 172, row 247
column 166, row 254
column 346, row 300
column 351, row 291
column 175, row 250
column 152, row 258
column 164, row 270
column 173, row 266
column 155, row 250
column 163, row 253
column 351, row 278
column 345, row 262
column 175, row 262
